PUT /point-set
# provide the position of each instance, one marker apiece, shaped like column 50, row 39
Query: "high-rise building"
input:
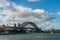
column 14, row 24
column 19, row 25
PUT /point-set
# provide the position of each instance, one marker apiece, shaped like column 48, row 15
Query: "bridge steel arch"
column 33, row 24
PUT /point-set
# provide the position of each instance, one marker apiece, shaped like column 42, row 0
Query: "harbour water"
column 32, row 36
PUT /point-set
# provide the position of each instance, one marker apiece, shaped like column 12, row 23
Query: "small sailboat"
column 51, row 32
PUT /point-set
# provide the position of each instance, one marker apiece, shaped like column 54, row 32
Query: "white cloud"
column 33, row 0
column 40, row 11
column 58, row 13
column 23, row 12
column 19, row 13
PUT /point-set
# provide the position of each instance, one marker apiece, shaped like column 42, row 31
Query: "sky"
column 44, row 13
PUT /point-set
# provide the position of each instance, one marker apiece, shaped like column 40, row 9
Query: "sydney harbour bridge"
column 35, row 27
